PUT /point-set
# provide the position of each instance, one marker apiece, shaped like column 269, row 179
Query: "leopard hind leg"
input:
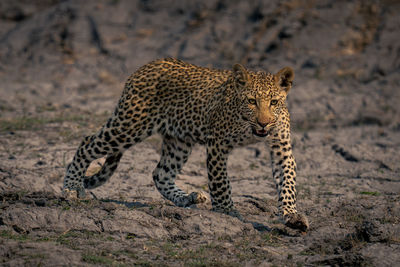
column 111, row 141
column 106, row 171
column 87, row 151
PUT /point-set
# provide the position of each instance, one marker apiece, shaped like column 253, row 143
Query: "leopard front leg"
column 218, row 182
column 284, row 173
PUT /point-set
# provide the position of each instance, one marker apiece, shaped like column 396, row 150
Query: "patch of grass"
column 144, row 263
column 349, row 213
column 6, row 107
column 67, row 242
column 196, row 263
column 130, row 254
column 225, row 237
column 34, row 256
column 307, row 252
column 68, row 135
column 130, row 236
column 171, row 249
column 24, row 123
column 36, row 123
column 368, row 193
column 44, row 239
column 85, row 201
column 389, row 219
column 95, row 259
column 253, row 166
column 194, row 256
column 33, row 259
column 69, row 239
column 356, row 217
column 209, row 254
column 210, row 262
column 271, row 239
column 47, row 107
column 7, row 234
column 304, row 191
column 204, row 255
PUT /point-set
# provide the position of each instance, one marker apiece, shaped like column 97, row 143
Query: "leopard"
column 187, row 105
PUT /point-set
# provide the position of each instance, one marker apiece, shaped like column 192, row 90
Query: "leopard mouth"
column 260, row 133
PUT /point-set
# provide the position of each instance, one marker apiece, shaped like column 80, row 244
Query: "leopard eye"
column 274, row 102
column 252, row 101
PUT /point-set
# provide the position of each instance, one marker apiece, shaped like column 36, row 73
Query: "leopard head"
column 262, row 97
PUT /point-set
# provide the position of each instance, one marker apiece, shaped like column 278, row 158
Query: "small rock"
column 40, row 202
column 370, row 231
column 345, row 154
column 308, row 64
column 177, row 216
column 40, row 163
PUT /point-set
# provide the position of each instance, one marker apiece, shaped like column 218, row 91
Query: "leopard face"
column 262, row 97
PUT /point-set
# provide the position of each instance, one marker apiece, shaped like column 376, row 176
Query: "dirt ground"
column 62, row 68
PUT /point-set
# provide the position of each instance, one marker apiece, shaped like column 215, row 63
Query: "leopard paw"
column 73, row 194
column 190, row 201
column 297, row 221
column 198, row 197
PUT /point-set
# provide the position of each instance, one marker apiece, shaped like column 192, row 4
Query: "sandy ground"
column 62, row 68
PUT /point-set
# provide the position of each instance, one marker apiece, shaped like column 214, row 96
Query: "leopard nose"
column 262, row 123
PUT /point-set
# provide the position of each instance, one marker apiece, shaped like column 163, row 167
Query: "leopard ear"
column 240, row 74
column 284, row 78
